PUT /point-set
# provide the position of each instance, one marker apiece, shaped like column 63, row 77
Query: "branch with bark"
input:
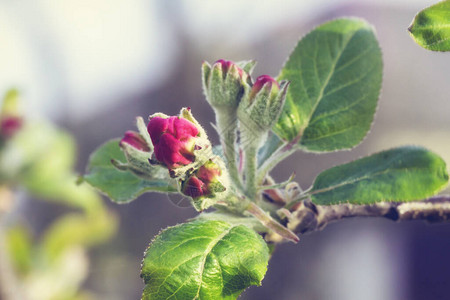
column 308, row 217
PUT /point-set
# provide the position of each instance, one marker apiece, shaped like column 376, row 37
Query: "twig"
column 308, row 217
column 226, row 128
column 274, row 159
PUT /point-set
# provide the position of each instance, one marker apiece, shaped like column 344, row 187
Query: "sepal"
column 260, row 110
column 142, row 128
column 137, row 149
column 225, row 83
column 247, row 65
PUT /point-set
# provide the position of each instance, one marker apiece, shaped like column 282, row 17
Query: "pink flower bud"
column 195, row 188
column 204, row 182
column 9, row 126
column 173, row 139
column 226, row 66
column 135, row 140
column 264, row 81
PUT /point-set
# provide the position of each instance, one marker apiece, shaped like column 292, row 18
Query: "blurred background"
column 92, row 66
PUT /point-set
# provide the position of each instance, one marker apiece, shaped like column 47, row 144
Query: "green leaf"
column 18, row 243
column 272, row 144
column 335, row 73
column 10, row 105
column 431, row 27
column 39, row 152
column 76, row 229
column 401, row 174
column 203, row 260
column 122, row 186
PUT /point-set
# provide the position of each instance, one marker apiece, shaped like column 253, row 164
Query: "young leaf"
column 431, row 27
column 122, row 186
column 77, row 230
column 401, row 174
column 19, row 246
column 271, row 145
column 203, row 259
column 335, row 73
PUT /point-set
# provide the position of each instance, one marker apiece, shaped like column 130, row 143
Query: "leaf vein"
column 207, row 252
column 330, row 75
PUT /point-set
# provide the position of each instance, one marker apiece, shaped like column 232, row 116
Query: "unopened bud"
column 225, row 83
column 138, row 151
column 9, row 125
column 260, row 110
column 179, row 142
column 181, row 145
column 173, row 140
column 135, row 140
column 205, row 182
column 270, row 86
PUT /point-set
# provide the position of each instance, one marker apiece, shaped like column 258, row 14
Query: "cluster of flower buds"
column 180, row 145
column 229, row 88
column 204, row 181
column 204, row 184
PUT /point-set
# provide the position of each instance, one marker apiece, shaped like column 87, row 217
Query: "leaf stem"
column 277, row 185
column 250, row 171
column 278, row 156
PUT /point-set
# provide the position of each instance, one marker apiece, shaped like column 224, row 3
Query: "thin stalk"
column 227, row 127
column 273, row 160
column 250, row 171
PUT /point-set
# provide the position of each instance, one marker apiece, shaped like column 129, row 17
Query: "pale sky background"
column 90, row 52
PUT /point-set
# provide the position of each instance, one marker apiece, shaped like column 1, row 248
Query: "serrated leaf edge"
column 115, row 199
column 298, row 145
column 204, row 260
column 375, row 153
